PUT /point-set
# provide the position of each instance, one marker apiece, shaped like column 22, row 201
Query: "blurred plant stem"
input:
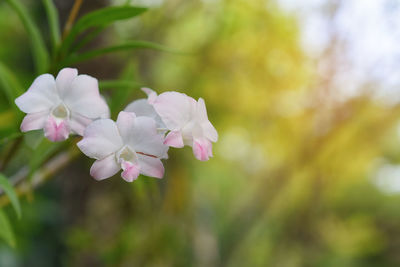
column 72, row 16
column 11, row 152
column 23, row 186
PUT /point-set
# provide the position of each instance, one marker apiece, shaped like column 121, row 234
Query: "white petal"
column 190, row 132
column 201, row 111
column 78, row 123
column 105, row 168
column 151, row 166
column 141, row 107
column 34, row 121
column 64, row 80
column 125, row 124
column 83, row 97
column 175, row 109
column 174, row 139
column 41, row 96
column 144, row 137
column 106, row 110
column 101, row 138
column 209, row 131
column 151, row 95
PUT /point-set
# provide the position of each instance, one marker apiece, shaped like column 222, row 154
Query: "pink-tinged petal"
column 55, row 130
column 34, row 121
column 151, row 95
column 104, row 168
column 64, row 80
column 175, row 109
column 78, row 123
column 202, row 149
column 150, row 166
column 83, row 97
column 144, row 137
column 174, row 139
column 41, row 96
column 101, row 138
column 125, row 124
column 130, row 171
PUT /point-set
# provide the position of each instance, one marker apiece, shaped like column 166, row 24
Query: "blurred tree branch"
column 23, row 186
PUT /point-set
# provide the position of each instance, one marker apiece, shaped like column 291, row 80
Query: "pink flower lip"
column 56, row 130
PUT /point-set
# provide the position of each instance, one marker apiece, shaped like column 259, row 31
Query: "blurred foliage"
column 292, row 182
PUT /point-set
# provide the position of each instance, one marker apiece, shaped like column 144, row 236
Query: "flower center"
column 61, row 111
column 126, row 154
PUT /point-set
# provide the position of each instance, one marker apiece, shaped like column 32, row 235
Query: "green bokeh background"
column 291, row 182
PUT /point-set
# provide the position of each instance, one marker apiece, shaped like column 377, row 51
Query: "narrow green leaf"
column 87, row 38
column 40, row 55
column 52, row 16
column 101, row 17
column 75, row 58
column 6, row 232
column 9, row 84
column 106, row 16
column 10, row 192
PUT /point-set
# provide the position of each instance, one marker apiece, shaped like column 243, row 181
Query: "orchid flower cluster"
column 136, row 142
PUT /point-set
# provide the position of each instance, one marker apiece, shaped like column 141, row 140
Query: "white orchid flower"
column 63, row 105
column 187, row 121
column 184, row 117
column 131, row 144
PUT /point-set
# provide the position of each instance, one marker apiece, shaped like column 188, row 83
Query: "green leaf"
column 6, row 232
column 100, row 18
column 9, row 84
column 87, row 38
column 40, row 55
column 106, row 16
column 75, row 58
column 52, row 16
column 10, row 192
